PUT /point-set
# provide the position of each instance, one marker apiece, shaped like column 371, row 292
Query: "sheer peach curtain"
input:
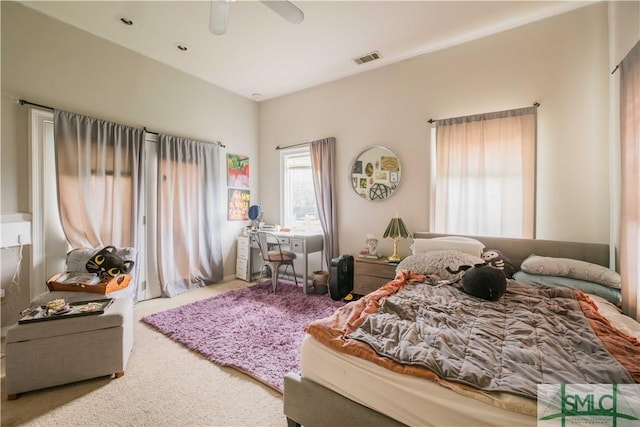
column 630, row 182
column 485, row 174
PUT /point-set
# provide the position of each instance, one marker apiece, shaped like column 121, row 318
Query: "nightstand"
column 369, row 274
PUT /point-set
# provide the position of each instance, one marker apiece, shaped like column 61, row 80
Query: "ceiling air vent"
column 368, row 58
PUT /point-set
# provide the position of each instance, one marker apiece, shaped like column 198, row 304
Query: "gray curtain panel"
column 99, row 174
column 189, row 219
column 323, row 165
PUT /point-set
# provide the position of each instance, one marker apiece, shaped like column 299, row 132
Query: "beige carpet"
column 164, row 385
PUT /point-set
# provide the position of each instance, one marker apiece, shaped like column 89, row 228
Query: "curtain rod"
column 535, row 104
column 156, row 133
column 24, row 101
column 291, row 146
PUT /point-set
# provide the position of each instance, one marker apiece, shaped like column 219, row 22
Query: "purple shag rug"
column 252, row 329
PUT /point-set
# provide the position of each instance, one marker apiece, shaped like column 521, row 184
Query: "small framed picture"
column 357, row 167
column 393, row 177
column 369, row 169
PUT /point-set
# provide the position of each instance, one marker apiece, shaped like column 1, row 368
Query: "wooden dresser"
column 369, row 274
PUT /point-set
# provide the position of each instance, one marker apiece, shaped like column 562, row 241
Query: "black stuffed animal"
column 496, row 259
column 106, row 262
column 484, row 282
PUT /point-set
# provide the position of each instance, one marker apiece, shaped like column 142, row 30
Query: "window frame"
column 285, row 155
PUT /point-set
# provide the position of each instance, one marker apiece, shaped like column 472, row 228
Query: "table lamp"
column 395, row 231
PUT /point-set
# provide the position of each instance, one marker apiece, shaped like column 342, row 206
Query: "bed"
column 337, row 388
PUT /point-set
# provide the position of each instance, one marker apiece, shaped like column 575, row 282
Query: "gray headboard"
column 517, row 250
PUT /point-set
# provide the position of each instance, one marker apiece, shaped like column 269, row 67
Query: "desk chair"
column 274, row 257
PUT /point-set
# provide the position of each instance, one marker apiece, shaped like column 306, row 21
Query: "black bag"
column 341, row 277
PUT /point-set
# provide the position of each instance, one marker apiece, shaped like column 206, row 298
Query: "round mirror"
column 375, row 173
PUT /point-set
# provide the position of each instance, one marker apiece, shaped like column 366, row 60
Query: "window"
column 298, row 204
column 484, row 177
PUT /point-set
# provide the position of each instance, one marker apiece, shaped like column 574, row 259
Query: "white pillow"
column 457, row 243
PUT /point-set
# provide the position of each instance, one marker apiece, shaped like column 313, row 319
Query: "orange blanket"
column 332, row 331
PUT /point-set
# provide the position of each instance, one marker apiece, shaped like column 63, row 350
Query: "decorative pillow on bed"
column 458, row 243
column 436, row 262
column 572, row 268
column 606, row 292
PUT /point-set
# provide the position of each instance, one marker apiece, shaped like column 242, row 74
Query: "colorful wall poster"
column 238, row 204
column 237, row 171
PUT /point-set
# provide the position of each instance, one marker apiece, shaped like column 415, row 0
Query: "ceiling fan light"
column 218, row 17
column 286, row 9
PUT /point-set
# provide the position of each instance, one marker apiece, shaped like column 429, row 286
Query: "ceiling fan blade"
column 218, row 16
column 286, row 9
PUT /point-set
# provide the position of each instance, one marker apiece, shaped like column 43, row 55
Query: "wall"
column 561, row 62
column 51, row 63
column 624, row 29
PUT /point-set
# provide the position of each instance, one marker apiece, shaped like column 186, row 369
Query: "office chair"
column 274, row 257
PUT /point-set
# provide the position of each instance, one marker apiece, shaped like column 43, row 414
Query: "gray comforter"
column 532, row 335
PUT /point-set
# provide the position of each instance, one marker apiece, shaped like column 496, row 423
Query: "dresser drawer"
column 370, row 274
column 363, row 285
column 242, row 269
column 243, row 251
column 243, row 242
column 297, row 245
column 386, row 271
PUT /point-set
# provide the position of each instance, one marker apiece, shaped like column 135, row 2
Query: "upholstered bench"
column 54, row 352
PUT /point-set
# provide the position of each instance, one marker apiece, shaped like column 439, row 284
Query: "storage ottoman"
column 61, row 351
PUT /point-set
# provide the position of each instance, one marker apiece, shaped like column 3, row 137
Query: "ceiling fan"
column 219, row 14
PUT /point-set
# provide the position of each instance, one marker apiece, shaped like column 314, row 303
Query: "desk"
column 301, row 244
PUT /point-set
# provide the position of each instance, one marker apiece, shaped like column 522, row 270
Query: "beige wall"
column 561, row 62
column 51, row 63
column 624, row 29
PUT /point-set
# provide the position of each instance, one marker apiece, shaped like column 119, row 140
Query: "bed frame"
column 310, row 404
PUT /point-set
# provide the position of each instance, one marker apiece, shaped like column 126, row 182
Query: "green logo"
column 589, row 404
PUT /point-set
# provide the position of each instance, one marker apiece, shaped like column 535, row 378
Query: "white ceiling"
column 263, row 54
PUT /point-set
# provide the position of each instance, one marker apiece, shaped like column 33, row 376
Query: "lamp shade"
column 396, row 229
